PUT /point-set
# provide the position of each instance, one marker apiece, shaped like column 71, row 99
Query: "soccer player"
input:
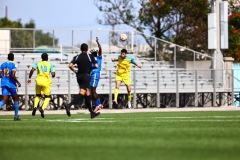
column 43, row 82
column 95, row 76
column 123, row 74
column 84, row 63
column 9, row 84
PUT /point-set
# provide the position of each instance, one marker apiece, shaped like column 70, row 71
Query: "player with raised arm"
column 95, row 77
column 84, row 63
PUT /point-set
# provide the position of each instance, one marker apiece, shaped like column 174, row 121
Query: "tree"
column 180, row 21
column 234, row 30
column 27, row 37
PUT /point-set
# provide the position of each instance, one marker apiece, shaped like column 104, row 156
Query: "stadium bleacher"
column 145, row 82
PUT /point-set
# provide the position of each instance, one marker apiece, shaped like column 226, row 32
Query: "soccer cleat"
column 98, row 108
column 67, row 107
column 42, row 112
column 129, row 104
column 114, row 101
column 17, row 118
column 93, row 114
column 34, row 111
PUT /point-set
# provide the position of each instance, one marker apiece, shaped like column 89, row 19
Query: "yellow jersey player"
column 123, row 74
column 43, row 82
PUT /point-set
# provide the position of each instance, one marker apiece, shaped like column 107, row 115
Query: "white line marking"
column 199, row 121
column 107, row 120
column 70, row 121
column 197, row 117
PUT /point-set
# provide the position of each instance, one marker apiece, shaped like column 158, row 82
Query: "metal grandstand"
column 172, row 75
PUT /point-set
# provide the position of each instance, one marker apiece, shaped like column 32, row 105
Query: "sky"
column 57, row 14
column 49, row 14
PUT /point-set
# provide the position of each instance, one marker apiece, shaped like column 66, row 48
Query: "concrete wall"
column 202, row 66
column 4, row 41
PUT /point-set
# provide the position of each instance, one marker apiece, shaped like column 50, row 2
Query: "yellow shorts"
column 125, row 78
column 43, row 86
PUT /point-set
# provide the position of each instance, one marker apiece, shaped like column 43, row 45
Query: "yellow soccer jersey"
column 124, row 65
column 44, row 68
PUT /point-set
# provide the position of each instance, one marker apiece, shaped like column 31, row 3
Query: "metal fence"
column 65, row 41
column 187, row 88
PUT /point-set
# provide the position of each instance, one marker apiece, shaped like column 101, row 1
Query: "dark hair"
column 84, row 47
column 124, row 50
column 44, row 56
column 94, row 53
column 11, row 56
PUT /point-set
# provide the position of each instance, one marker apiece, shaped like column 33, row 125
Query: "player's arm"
column 71, row 67
column 72, row 63
column 30, row 75
column 15, row 78
column 99, row 47
column 114, row 59
column 136, row 64
column 0, row 73
column 96, row 65
column 53, row 74
column 52, row 70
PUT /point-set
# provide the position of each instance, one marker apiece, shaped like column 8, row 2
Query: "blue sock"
column 98, row 102
column 1, row 103
column 16, row 108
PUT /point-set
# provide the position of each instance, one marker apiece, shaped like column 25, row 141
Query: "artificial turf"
column 210, row 135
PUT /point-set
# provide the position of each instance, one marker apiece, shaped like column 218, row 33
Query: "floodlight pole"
column 216, row 52
column 218, row 40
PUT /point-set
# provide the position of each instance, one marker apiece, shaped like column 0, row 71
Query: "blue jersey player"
column 95, row 77
column 9, row 84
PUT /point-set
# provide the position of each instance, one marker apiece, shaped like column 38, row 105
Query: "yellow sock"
column 36, row 101
column 116, row 94
column 129, row 96
column 45, row 103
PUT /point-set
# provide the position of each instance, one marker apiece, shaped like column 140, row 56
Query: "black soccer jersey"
column 84, row 63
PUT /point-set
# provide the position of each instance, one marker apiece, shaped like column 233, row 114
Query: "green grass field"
column 123, row 136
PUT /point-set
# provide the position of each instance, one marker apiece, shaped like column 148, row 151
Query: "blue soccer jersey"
column 7, row 80
column 95, row 73
column 99, row 61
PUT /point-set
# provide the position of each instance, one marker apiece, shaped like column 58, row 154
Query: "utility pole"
column 6, row 11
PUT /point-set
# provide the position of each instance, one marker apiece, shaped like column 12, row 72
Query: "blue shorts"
column 95, row 77
column 9, row 91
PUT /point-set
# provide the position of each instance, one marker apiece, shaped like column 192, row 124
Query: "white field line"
column 97, row 120
column 207, row 120
column 191, row 117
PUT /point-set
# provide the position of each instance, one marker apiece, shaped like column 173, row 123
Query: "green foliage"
column 178, row 20
column 27, row 37
column 234, row 32
column 6, row 23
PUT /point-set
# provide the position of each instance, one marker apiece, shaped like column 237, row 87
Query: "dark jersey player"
column 84, row 63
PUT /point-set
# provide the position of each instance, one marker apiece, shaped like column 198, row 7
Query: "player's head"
column 44, row 57
column 10, row 56
column 123, row 53
column 84, row 47
column 94, row 53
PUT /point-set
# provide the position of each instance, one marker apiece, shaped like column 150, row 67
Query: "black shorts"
column 84, row 81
